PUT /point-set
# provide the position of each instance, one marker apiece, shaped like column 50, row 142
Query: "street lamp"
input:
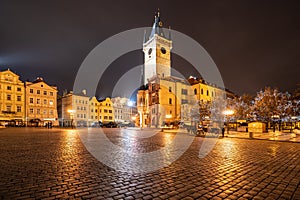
column 227, row 113
column 71, row 112
column 168, row 116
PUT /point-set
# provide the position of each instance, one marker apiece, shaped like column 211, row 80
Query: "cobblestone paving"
column 54, row 164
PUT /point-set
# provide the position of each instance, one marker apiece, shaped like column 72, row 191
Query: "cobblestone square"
column 39, row 163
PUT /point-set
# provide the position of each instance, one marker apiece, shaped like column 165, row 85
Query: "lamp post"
column 227, row 113
column 71, row 112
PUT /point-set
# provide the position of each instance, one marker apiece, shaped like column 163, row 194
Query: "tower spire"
column 157, row 26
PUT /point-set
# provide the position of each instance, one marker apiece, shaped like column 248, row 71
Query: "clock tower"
column 157, row 55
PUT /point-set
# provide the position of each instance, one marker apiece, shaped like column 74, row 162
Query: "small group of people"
column 48, row 125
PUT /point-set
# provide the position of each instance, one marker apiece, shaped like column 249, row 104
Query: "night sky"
column 253, row 43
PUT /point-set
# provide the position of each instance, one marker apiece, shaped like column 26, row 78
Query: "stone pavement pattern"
column 276, row 136
column 50, row 164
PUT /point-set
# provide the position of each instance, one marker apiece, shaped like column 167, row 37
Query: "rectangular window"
column 184, row 101
column 45, row 112
column 170, row 89
column 105, row 117
column 18, row 98
column 45, row 92
column 105, row 110
column 201, row 91
column 96, row 110
column 51, row 112
column 110, row 117
column 19, row 89
column 110, row 111
column 184, row 91
column 170, row 101
column 18, row 108
column 84, row 116
column 45, row 101
column 31, row 110
column 51, row 102
column 8, row 108
column 31, row 91
column 38, row 92
column 31, row 100
column 51, row 93
column 8, row 97
column 207, row 93
column 38, row 111
column 38, row 101
column 8, row 87
column 92, row 117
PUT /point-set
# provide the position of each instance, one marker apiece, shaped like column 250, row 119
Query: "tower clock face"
column 150, row 51
column 163, row 50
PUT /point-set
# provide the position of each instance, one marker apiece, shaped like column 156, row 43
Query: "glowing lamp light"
column 71, row 111
column 168, row 116
column 130, row 103
column 228, row 112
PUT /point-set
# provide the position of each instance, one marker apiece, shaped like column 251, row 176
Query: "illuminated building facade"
column 101, row 111
column 74, row 109
column 12, row 99
column 124, row 110
column 164, row 98
column 41, row 103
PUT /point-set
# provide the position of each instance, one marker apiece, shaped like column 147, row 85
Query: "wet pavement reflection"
column 39, row 163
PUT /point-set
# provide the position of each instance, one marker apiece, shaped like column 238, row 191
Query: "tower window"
column 195, row 91
column 170, row 101
column 170, row 89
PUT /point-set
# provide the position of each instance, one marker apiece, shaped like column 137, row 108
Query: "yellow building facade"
column 100, row 111
column 12, row 99
column 41, row 103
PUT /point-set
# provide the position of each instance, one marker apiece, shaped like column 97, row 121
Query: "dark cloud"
column 254, row 43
